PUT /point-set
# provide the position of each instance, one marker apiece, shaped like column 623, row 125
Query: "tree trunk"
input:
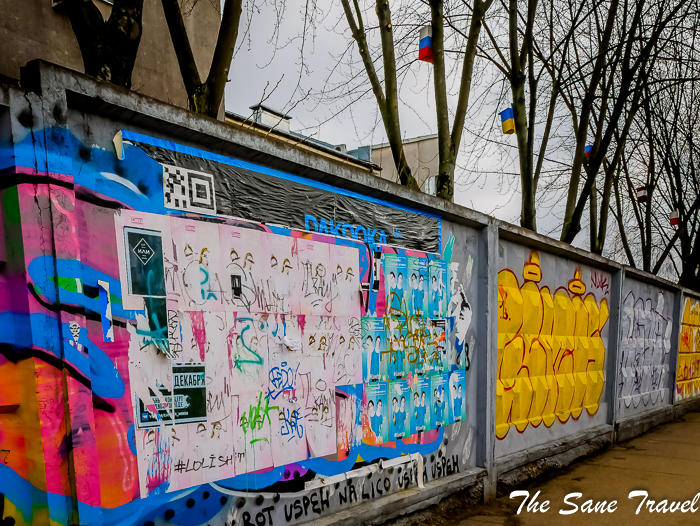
column 204, row 97
column 593, row 209
column 449, row 142
column 108, row 48
column 391, row 122
column 528, row 216
column 444, row 184
column 518, row 60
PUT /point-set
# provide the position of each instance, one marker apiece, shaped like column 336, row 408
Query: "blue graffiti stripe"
column 41, row 270
column 106, row 380
column 327, row 468
column 136, row 182
column 24, row 496
column 369, row 453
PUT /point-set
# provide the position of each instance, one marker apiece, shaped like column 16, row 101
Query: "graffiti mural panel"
column 646, row 326
column 688, row 375
column 221, row 369
column 552, row 339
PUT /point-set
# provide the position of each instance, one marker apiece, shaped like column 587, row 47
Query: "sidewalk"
column 665, row 462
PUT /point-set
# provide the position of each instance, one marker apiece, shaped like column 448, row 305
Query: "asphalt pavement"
column 664, row 463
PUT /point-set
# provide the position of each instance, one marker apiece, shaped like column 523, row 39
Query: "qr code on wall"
column 188, row 190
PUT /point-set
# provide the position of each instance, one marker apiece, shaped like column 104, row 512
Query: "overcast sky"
column 260, row 66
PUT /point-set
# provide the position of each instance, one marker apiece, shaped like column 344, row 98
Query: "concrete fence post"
column 486, row 401
column 612, row 368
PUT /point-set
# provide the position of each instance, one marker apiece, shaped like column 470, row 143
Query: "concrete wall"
column 647, row 340
column 558, row 352
column 32, row 29
column 688, row 379
column 553, row 335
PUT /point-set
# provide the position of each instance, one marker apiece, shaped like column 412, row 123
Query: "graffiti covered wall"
column 688, row 375
column 552, row 339
column 644, row 355
column 201, row 369
column 189, row 338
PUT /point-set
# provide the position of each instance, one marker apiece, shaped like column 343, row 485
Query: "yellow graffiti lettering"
column 688, row 375
column 550, row 351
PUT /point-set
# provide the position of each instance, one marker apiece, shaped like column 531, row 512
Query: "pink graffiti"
column 199, row 332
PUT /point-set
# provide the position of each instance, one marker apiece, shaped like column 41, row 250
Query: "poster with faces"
column 395, row 284
column 345, row 262
column 437, row 291
column 375, row 354
column 348, row 410
column 247, row 344
column 346, row 351
column 279, row 286
column 375, row 424
column 399, row 398
column 439, row 384
column 437, row 345
column 458, row 386
column 397, row 336
column 316, row 278
column 199, row 279
column 418, row 281
column 421, row 405
column 242, row 268
column 253, row 432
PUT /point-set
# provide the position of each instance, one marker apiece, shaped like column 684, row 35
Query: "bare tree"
column 529, row 45
column 611, row 94
column 108, row 47
column 387, row 94
column 661, row 158
column 449, row 141
column 204, row 96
